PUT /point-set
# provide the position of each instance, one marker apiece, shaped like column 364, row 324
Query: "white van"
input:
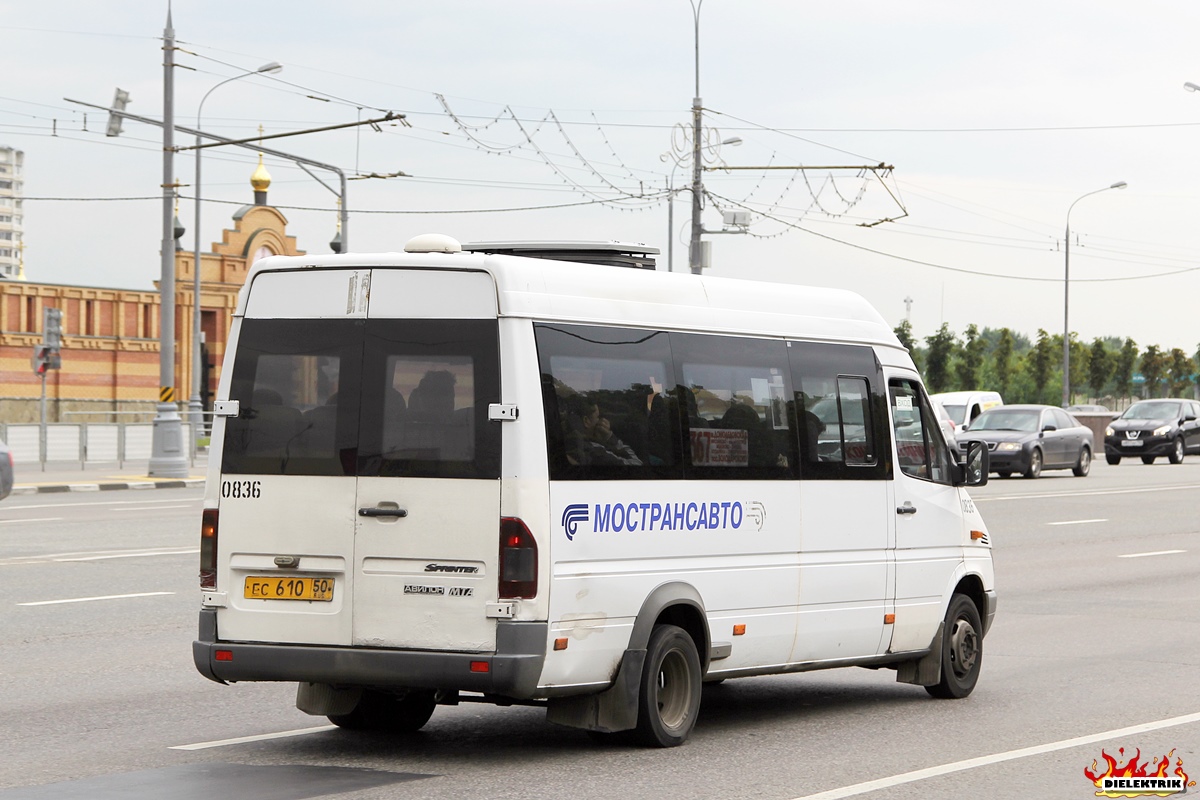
column 964, row 407
column 496, row 473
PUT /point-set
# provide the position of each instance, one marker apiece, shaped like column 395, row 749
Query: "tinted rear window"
column 364, row 397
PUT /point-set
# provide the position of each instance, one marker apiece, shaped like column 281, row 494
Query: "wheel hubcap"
column 964, row 647
column 674, row 690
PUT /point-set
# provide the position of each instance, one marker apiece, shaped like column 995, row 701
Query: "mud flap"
column 323, row 700
column 614, row 709
column 925, row 671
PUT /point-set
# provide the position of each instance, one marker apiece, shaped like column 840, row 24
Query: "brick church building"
column 110, row 342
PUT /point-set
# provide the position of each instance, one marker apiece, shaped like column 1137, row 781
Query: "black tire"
column 1148, row 459
column 962, row 650
column 1083, row 465
column 669, row 696
column 1035, row 464
column 1004, row 473
column 379, row 711
column 1111, row 459
column 1176, row 456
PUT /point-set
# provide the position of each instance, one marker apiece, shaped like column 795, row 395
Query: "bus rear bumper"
column 512, row 670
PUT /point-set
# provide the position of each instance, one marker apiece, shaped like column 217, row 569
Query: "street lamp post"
column 697, row 167
column 1066, row 359
column 166, row 441
column 195, row 407
column 672, row 191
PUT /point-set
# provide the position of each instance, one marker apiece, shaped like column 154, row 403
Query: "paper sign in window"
column 720, row 448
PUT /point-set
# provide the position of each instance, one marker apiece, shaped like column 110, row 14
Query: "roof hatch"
column 613, row 254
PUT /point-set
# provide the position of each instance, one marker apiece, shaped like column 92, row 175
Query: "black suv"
column 1150, row 428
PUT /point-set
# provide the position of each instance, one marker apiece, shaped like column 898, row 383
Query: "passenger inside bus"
column 589, row 437
column 648, row 426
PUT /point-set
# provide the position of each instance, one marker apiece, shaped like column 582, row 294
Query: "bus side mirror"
column 975, row 465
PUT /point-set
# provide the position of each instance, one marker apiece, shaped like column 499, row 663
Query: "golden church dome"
column 261, row 179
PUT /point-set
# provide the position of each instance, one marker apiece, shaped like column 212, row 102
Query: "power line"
column 960, row 270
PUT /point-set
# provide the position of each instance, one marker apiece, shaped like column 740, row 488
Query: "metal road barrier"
column 85, row 442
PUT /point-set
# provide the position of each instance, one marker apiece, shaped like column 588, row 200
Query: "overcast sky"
column 996, row 117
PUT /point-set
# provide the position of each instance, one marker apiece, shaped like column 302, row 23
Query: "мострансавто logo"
column 652, row 517
column 572, row 516
column 1133, row 779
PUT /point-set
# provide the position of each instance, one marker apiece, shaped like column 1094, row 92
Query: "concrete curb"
column 106, row 486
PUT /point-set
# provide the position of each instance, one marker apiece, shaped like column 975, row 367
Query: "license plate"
column 261, row 587
column 1133, row 443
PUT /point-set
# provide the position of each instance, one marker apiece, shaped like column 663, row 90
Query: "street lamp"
column 1066, row 361
column 671, row 190
column 697, row 167
column 195, row 407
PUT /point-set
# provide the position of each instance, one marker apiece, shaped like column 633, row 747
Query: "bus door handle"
column 382, row 512
column 907, row 508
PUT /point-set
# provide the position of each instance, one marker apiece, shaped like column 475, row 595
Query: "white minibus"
column 548, row 474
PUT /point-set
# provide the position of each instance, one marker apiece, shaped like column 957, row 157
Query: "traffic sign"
column 46, row 358
column 52, row 327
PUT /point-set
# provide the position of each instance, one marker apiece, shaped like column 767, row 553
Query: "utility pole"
column 694, row 256
column 254, row 143
column 167, row 458
column 908, row 301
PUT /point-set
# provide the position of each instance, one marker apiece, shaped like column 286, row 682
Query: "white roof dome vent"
column 432, row 243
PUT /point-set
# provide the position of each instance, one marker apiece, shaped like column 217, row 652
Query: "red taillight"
column 208, row 549
column 223, row 655
column 518, row 559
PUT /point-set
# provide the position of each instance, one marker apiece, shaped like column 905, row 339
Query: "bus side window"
column 920, row 450
column 738, row 421
column 839, row 402
column 608, row 413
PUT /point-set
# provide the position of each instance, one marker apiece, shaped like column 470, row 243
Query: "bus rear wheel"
column 380, row 711
column 669, row 696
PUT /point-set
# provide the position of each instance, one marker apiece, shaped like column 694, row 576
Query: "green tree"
column 904, row 333
column 1123, row 368
column 970, row 360
column 1002, row 360
column 937, row 359
column 1179, row 371
column 1154, row 369
column 1081, row 359
column 1020, row 342
column 1040, row 361
column 1100, row 367
column 1196, row 361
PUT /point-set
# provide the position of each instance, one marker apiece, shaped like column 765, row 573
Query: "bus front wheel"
column 962, row 650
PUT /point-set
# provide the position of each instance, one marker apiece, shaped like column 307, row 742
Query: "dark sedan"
column 1150, row 428
column 1031, row 438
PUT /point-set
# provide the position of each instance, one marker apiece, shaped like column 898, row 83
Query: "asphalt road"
column 1096, row 646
